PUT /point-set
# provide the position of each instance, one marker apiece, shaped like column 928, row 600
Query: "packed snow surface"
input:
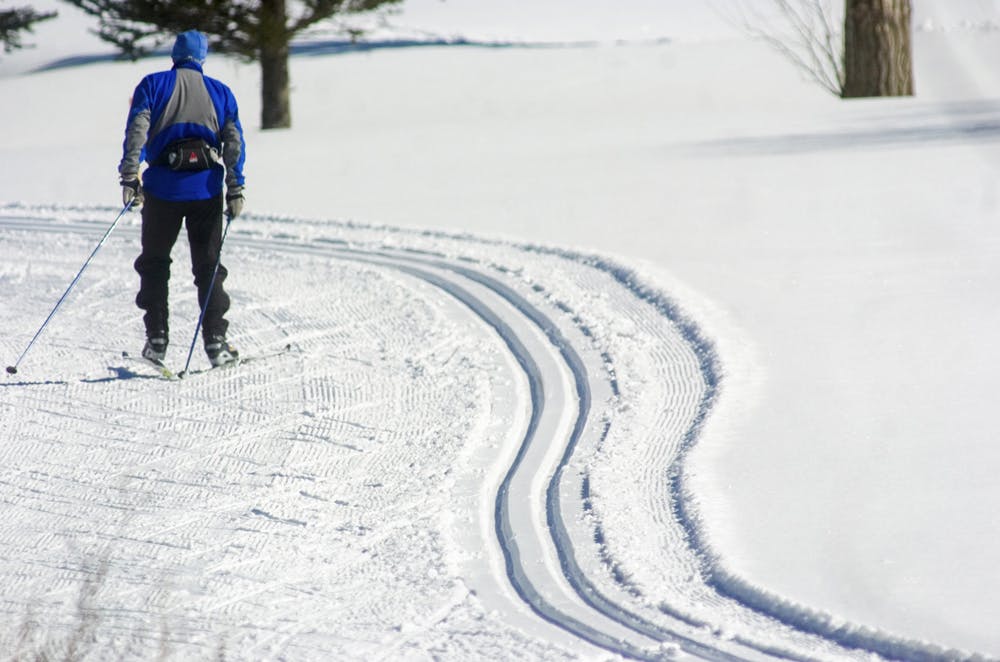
column 606, row 336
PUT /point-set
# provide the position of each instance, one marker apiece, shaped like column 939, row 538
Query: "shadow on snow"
column 314, row 48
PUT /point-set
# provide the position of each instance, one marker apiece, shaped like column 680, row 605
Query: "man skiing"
column 186, row 126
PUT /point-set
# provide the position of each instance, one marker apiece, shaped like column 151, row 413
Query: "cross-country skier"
column 186, row 126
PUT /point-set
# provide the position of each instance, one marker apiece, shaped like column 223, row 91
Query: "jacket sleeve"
column 233, row 145
column 136, row 132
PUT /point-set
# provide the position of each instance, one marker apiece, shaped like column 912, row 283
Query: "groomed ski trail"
column 571, row 525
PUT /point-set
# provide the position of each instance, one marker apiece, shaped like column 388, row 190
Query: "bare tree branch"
column 803, row 31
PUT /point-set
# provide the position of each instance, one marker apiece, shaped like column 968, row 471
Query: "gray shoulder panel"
column 189, row 103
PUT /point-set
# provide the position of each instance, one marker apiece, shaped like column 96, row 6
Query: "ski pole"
column 12, row 369
column 208, row 296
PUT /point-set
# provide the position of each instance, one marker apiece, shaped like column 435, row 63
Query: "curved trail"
column 561, row 391
column 579, row 341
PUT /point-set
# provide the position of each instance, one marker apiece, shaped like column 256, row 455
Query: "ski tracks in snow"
column 473, row 448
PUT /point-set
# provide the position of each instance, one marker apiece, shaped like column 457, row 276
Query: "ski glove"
column 234, row 201
column 131, row 191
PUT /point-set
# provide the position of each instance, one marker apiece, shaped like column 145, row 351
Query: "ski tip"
column 11, row 370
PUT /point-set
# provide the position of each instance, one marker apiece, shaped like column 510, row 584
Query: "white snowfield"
column 472, row 449
column 642, row 346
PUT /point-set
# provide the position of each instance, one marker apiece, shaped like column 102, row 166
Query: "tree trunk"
column 878, row 59
column 276, row 112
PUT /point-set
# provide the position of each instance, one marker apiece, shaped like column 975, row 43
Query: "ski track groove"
column 275, row 446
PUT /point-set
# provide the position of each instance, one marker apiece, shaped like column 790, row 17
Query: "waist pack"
column 187, row 155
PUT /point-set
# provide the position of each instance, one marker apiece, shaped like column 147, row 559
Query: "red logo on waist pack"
column 192, row 157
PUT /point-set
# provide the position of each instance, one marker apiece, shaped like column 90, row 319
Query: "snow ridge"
column 686, row 509
column 557, row 525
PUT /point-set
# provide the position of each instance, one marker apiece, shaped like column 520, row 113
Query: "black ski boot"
column 220, row 352
column 155, row 349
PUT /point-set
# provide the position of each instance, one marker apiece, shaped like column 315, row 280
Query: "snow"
column 676, row 201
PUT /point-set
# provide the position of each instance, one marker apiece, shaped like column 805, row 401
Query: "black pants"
column 161, row 224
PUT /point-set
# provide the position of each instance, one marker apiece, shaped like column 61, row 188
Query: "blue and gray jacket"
column 180, row 104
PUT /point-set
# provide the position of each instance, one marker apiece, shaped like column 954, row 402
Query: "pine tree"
column 15, row 21
column 256, row 30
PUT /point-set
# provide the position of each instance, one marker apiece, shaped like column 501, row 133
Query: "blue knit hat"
column 190, row 45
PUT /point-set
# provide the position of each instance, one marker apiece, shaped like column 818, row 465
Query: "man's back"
column 183, row 104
